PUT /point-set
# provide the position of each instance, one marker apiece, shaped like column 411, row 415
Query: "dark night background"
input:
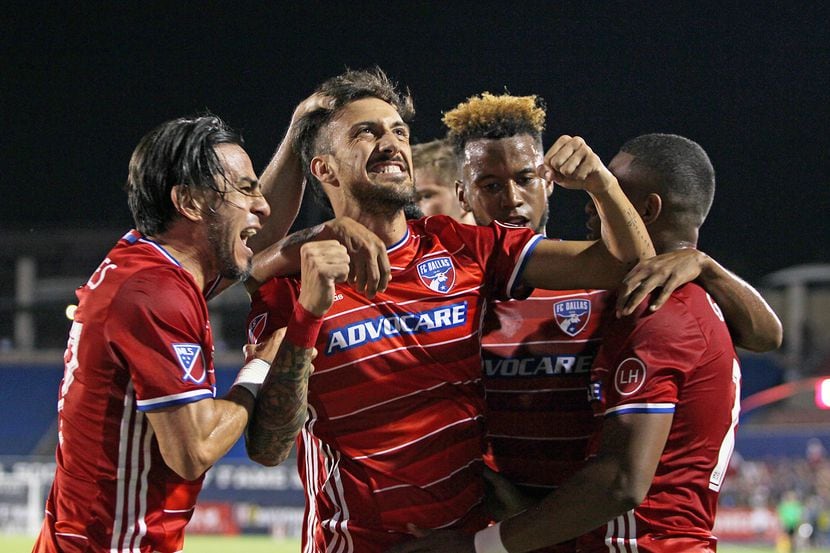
column 749, row 81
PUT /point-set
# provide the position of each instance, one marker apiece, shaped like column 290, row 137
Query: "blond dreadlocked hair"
column 491, row 116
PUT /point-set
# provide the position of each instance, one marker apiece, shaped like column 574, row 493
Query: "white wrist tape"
column 489, row 540
column 252, row 375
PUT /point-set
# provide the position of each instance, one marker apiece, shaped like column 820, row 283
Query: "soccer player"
column 138, row 421
column 395, row 408
column 436, row 171
column 667, row 382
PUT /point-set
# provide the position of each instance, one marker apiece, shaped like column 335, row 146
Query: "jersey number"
column 728, row 444
column 70, row 360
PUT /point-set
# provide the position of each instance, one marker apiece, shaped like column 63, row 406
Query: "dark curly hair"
column 345, row 88
column 181, row 151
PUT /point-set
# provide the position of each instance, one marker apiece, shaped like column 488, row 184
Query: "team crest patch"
column 437, row 274
column 572, row 315
column 188, row 355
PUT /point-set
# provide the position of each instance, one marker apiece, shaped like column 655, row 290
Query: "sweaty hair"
column 684, row 176
column 437, row 157
column 344, row 89
column 490, row 116
column 178, row 152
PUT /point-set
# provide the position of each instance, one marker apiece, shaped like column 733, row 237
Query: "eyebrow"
column 253, row 182
column 523, row 171
column 373, row 123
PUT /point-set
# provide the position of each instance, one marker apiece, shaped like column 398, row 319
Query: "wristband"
column 303, row 327
column 489, row 540
column 252, row 375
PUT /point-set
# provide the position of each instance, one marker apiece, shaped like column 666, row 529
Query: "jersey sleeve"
column 503, row 251
column 271, row 308
column 158, row 326
column 645, row 359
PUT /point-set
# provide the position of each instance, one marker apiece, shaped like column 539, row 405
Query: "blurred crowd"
column 797, row 489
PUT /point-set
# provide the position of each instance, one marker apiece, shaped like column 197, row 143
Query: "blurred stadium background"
column 782, row 446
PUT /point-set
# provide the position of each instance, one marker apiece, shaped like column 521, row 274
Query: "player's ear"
column 189, row 205
column 321, row 168
column 652, row 207
column 462, row 196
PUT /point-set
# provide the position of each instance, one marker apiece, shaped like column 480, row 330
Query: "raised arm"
column 751, row 321
column 281, row 402
column 283, row 181
column 568, row 264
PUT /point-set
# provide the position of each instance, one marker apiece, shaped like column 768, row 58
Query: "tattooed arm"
column 280, row 408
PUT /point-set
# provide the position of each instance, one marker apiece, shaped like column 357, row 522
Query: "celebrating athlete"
column 138, row 421
column 395, row 407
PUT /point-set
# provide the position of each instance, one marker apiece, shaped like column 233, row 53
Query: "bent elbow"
column 628, row 496
column 761, row 342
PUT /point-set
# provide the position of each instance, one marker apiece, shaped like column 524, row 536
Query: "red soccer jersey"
column 537, row 357
column 679, row 359
column 140, row 340
column 395, row 404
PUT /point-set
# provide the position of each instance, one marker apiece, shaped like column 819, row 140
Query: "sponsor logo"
column 547, row 365
column 572, row 315
column 629, row 376
column 372, row 330
column 437, row 274
column 256, row 327
column 188, row 355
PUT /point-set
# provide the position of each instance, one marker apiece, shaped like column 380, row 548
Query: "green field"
column 264, row 544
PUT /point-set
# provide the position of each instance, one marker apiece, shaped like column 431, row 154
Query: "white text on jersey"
column 372, row 330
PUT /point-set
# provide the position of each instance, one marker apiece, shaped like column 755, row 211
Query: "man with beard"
column 138, row 420
column 538, row 353
column 395, row 408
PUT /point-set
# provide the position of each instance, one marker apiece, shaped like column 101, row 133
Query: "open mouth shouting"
column 394, row 167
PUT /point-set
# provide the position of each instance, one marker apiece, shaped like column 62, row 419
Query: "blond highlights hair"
column 491, row 116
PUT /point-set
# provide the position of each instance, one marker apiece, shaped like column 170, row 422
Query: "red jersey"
column 680, row 360
column 537, row 357
column 395, row 404
column 140, row 341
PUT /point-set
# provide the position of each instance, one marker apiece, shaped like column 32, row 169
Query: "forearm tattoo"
column 300, row 237
column 280, row 409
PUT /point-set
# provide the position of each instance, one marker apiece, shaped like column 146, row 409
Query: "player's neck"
column 181, row 245
column 389, row 228
column 668, row 241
